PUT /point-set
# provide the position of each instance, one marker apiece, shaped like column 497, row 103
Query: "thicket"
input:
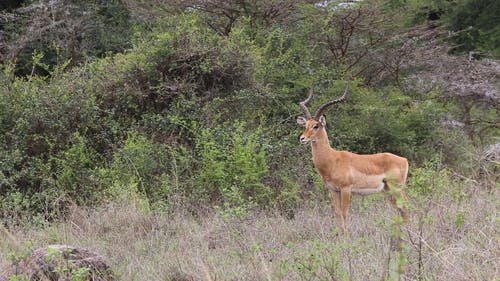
column 192, row 106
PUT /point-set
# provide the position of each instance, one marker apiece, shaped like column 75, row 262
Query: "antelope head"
column 315, row 125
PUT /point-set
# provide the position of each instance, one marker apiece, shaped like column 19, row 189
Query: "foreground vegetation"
column 449, row 239
column 170, row 129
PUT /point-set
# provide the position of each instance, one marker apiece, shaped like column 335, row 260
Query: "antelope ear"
column 301, row 121
column 322, row 120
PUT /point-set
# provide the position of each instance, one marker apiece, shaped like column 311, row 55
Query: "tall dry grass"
column 143, row 245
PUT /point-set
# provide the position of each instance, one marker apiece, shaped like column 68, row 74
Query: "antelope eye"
column 316, row 126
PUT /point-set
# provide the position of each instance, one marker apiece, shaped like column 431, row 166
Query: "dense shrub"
column 189, row 115
column 476, row 22
column 233, row 165
column 389, row 120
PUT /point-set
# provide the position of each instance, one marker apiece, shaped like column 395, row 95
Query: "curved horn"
column 324, row 106
column 303, row 104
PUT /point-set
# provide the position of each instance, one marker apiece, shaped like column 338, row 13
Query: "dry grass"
column 141, row 245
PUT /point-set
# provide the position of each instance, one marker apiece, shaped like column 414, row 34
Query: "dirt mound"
column 61, row 262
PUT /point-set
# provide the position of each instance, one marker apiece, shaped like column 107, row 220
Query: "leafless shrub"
column 457, row 76
column 472, row 84
column 41, row 19
column 365, row 41
column 61, row 31
column 354, row 35
column 221, row 15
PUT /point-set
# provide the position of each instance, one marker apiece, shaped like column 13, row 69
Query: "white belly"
column 368, row 190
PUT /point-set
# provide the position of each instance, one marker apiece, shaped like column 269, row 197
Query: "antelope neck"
column 321, row 146
column 323, row 155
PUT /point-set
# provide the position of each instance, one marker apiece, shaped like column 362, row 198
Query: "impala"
column 345, row 173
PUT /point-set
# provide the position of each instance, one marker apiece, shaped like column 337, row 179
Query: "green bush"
column 386, row 121
column 477, row 24
column 145, row 170
column 43, row 126
column 73, row 171
column 232, row 167
column 433, row 181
